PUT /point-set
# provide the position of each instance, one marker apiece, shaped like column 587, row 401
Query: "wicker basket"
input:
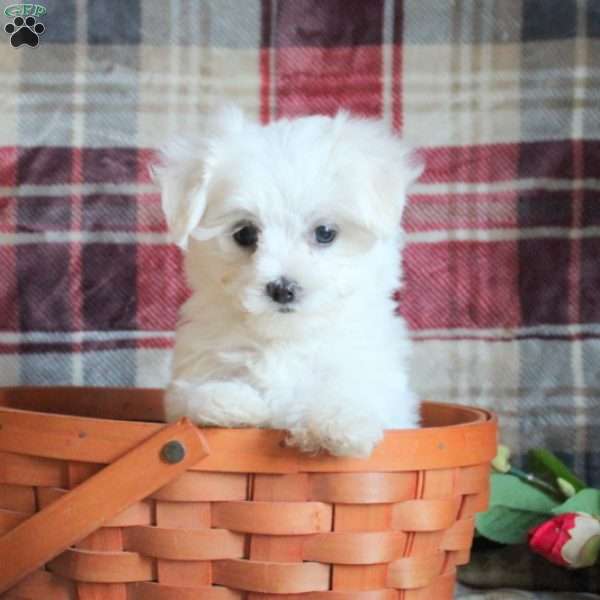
column 181, row 513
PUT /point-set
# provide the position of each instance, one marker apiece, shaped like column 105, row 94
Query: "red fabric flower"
column 569, row 540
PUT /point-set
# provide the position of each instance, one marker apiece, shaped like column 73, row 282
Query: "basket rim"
column 98, row 439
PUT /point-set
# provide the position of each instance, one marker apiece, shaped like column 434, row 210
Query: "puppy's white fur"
column 333, row 370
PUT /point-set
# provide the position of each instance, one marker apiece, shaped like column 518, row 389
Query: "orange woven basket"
column 95, row 504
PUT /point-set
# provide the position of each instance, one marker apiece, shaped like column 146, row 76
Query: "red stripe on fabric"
column 8, row 166
column 460, row 285
column 324, row 80
column 471, row 164
column 8, row 214
column 8, row 224
column 146, row 158
column 161, row 287
column 150, row 217
column 9, row 306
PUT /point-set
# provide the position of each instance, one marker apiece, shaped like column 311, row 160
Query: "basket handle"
column 137, row 474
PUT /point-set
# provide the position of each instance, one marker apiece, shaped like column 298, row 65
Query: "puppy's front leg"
column 216, row 403
column 341, row 427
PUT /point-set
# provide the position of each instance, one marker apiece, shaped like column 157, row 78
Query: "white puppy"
column 292, row 239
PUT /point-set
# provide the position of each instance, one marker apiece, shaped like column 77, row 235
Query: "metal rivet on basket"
column 173, row 452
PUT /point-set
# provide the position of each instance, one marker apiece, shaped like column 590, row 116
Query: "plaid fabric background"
column 503, row 274
column 503, row 263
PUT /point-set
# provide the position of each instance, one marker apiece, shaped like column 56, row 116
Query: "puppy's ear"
column 395, row 173
column 184, row 170
column 386, row 165
column 395, row 169
column 181, row 174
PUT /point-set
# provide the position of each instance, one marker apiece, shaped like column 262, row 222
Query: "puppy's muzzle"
column 282, row 291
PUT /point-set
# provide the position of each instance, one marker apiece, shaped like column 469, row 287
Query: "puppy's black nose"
column 282, row 291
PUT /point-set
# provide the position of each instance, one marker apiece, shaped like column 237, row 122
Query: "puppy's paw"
column 216, row 403
column 341, row 433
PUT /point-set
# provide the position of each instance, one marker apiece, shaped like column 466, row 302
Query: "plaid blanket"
column 502, row 268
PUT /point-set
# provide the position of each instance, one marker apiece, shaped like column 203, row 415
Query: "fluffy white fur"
column 332, row 370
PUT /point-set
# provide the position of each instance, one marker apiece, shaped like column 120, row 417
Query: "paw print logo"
column 24, row 31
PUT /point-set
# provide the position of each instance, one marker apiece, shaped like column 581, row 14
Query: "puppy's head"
column 293, row 218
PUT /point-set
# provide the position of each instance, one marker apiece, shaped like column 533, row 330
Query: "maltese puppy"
column 292, row 242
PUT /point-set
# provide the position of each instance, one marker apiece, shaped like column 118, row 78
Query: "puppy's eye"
column 246, row 235
column 325, row 234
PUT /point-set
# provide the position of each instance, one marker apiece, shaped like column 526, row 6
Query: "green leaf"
column 566, row 488
column 507, row 525
column 515, row 507
column 546, row 465
column 501, row 461
column 512, row 492
column 585, row 501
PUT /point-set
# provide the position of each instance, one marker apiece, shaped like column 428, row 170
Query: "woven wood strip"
column 17, row 497
column 94, row 501
column 153, row 591
column 475, row 503
column 100, row 402
column 246, row 450
column 433, row 485
column 139, row 513
column 364, row 548
column 289, row 548
column 157, row 591
column 360, row 518
column 271, row 577
column 19, row 469
column 383, row 594
column 272, row 518
column 459, row 536
column 462, row 557
column 425, row 515
column 415, row 571
column 473, row 480
column 362, row 488
column 102, row 567
column 42, row 585
column 10, row 519
column 195, row 486
column 185, row 516
column 442, row 588
column 104, row 540
column 184, row 544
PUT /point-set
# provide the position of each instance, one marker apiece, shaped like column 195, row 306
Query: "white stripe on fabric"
column 419, row 189
column 511, row 333
column 423, row 237
column 43, row 337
